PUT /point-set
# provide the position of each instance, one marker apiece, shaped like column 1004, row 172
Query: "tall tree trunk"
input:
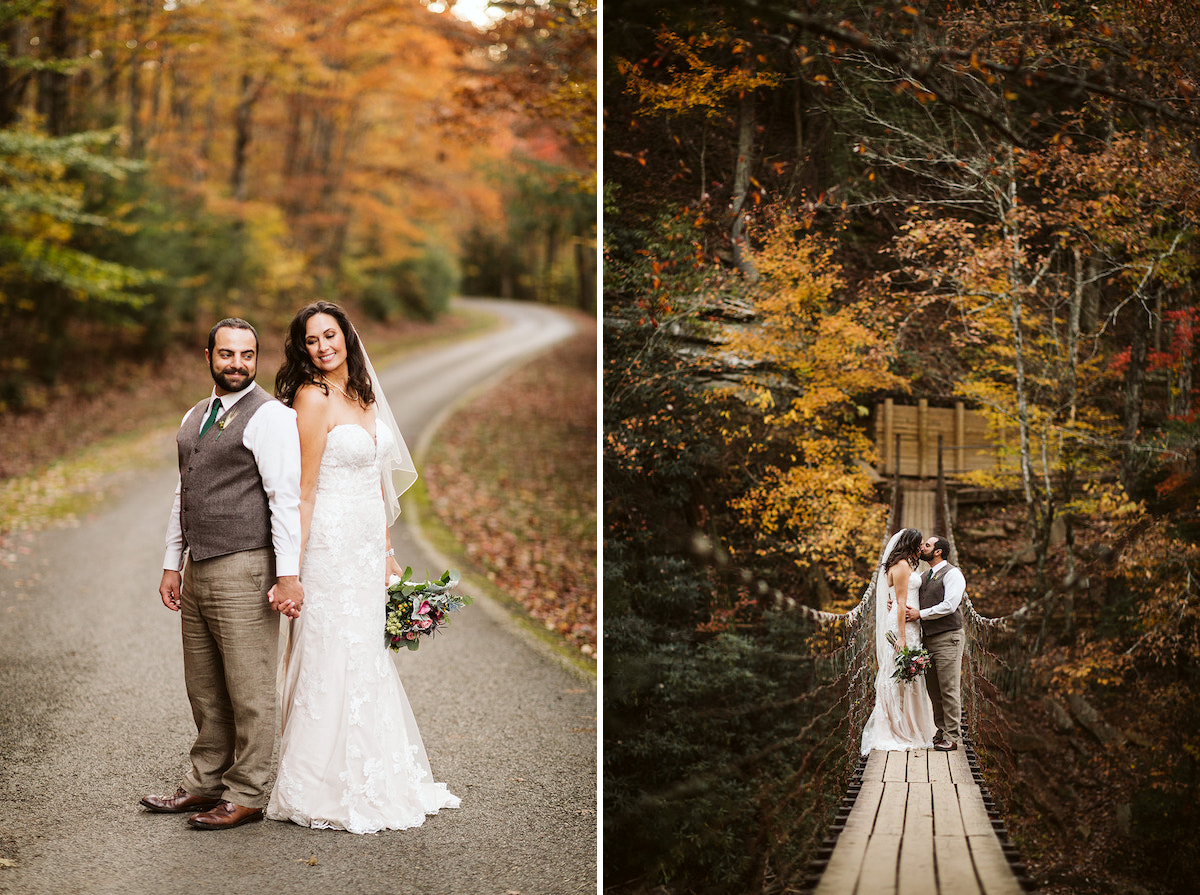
column 584, row 278
column 137, row 141
column 52, row 102
column 242, row 121
column 798, row 104
column 1073, row 323
column 741, row 187
column 1135, row 380
column 13, row 83
column 203, row 170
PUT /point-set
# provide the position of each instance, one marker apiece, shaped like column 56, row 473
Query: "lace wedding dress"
column 351, row 757
column 903, row 716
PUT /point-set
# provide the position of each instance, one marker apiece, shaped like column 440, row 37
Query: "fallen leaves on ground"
column 513, row 476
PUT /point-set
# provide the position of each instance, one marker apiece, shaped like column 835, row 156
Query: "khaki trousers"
column 944, row 681
column 230, row 640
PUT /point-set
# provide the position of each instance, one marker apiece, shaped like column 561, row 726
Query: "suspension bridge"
column 919, row 821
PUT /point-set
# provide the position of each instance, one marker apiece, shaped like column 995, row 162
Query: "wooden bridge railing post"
column 939, row 511
column 894, row 517
column 922, row 437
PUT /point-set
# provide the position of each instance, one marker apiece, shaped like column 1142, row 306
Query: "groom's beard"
column 228, row 383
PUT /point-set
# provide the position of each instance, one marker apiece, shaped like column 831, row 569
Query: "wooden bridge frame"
column 906, row 435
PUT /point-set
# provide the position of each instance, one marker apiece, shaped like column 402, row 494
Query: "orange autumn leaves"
column 813, row 352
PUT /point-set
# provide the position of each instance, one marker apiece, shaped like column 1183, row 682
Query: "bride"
column 902, row 717
column 351, row 757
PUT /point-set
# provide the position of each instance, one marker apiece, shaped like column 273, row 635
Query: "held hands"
column 286, row 596
column 170, row 588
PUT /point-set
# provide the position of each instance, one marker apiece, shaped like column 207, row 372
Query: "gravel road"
column 93, row 713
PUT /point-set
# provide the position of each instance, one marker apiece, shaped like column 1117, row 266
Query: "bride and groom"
column 283, row 507
column 925, row 712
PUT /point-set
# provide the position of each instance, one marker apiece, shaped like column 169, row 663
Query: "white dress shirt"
column 955, row 586
column 272, row 436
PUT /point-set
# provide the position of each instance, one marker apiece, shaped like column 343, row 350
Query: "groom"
column 940, row 615
column 237, row 514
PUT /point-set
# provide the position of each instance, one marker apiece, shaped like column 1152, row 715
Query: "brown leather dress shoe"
column 945, row 746
column 225, row 816
column 180, row 802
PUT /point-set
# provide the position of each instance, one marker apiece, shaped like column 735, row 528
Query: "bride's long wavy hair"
column 908, row 547
column 298, row 369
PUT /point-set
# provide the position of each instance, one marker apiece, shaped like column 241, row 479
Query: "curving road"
column 93, row 713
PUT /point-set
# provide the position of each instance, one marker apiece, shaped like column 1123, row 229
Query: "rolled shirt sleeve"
column 955, row 585
column 274, row 439
column 173, row 558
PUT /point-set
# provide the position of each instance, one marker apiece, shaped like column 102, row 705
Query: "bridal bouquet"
column 415, row 608
column 911, row 662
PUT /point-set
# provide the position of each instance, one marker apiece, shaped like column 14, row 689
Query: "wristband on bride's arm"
column 389, row 552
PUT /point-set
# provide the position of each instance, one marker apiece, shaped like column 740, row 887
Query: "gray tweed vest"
column 223, row 506
column 932, row 593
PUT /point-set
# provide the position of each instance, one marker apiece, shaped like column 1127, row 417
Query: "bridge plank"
column 876, row 761
column 862, row 816
column 917, row 868
column 960, row 768
column 992, row 866
column 939, row 767
column 890, row 819
column 947, row 817
column 918, row 766
column 955, row 870
column 918, row 811
column 897, row 767
column 845, row 864
column 879, row 864
column 974, row 815
column 918, row 873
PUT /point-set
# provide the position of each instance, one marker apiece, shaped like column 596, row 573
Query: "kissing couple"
column 927, row 711
column 280, row 526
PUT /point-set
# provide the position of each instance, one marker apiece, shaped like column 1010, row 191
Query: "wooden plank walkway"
column 919, row 825
column 919, row 511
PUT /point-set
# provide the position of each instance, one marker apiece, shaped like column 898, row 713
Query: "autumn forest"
column 165, row 162
column 813, row 208
column 809, row 210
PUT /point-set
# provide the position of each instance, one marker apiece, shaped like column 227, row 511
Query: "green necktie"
column 212, row 417
column 928, row 577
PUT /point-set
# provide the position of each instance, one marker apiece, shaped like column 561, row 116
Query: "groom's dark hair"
column 232, row 323
column 943, row 545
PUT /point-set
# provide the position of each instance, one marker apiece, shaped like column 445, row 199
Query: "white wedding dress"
column 903, row 716
column 351, row 757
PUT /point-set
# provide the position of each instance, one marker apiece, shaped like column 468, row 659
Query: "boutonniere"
column 225, row 421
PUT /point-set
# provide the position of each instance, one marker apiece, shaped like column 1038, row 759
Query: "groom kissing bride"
column 927, row 711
